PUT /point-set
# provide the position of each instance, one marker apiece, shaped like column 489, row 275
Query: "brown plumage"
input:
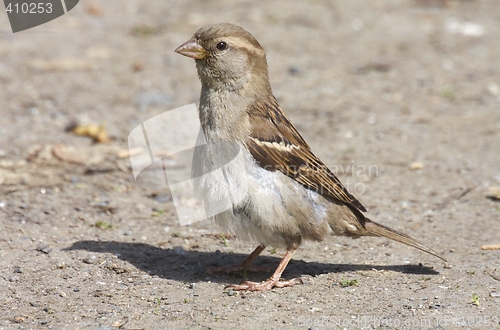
column 289, row 194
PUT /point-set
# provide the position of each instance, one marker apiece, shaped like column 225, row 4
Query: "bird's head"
column 226, row 55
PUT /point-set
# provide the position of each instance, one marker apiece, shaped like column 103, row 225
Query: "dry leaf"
column 494, row 193
column 96, row 132
column 66, row 154
column 491, row 247
column 125, row 153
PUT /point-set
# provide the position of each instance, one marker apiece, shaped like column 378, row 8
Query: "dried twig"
column 454, row 196
column 491, row 247
column 493, row 276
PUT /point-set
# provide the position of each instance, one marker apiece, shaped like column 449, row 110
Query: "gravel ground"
column 401, row 98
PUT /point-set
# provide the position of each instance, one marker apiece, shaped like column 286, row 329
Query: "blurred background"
column 401, row 98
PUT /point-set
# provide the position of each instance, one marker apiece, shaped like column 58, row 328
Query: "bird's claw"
column 263, row 286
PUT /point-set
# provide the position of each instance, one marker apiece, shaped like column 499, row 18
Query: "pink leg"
column 245, row 265
column 273, row 281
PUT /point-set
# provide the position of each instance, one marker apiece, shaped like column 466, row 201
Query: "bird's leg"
column 245, row 265
column 273, row 281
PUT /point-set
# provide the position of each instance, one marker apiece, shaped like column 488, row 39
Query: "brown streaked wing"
column 277, row 145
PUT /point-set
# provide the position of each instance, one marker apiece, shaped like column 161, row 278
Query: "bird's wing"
column 277, row 146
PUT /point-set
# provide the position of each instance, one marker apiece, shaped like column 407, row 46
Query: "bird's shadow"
column 191, row 266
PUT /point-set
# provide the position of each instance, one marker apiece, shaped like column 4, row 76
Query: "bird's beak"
column 192, row 49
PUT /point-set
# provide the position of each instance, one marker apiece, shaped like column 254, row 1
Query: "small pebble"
column 495, row 294
column 76, row 289
column 371, row 120
column 493, row 88
column 102, row 204
column 416, row 166
column 179, row 250
column 94, row 9
column 192, row 285
column 294, row 71
column 90, row 260
column 162, row 198
column 138, row 65
column 44, row 248
column 405, row 204
column 127, row 233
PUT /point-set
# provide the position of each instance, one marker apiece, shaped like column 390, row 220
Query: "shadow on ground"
column 188, row 266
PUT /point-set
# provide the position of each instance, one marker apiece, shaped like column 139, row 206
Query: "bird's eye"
column 221, row 45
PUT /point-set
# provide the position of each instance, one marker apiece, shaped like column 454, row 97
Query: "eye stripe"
column 238, row 42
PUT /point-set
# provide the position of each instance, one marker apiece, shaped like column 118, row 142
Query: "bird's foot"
column 237, row 268
column 263, row 286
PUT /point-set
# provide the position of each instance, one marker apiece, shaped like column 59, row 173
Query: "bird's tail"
column 376, row 229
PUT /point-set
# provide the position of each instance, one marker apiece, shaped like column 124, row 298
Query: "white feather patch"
column 275, row 145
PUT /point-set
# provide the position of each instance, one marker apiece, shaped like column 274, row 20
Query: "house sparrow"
column 288, row 194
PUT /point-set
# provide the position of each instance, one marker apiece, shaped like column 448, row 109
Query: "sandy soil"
column 410, row 89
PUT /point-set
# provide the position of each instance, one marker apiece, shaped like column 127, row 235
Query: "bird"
column 256, row 175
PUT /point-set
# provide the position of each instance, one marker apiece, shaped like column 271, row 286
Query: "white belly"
column 255, row 204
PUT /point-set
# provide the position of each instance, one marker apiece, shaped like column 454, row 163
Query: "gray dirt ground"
column 410, row 88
